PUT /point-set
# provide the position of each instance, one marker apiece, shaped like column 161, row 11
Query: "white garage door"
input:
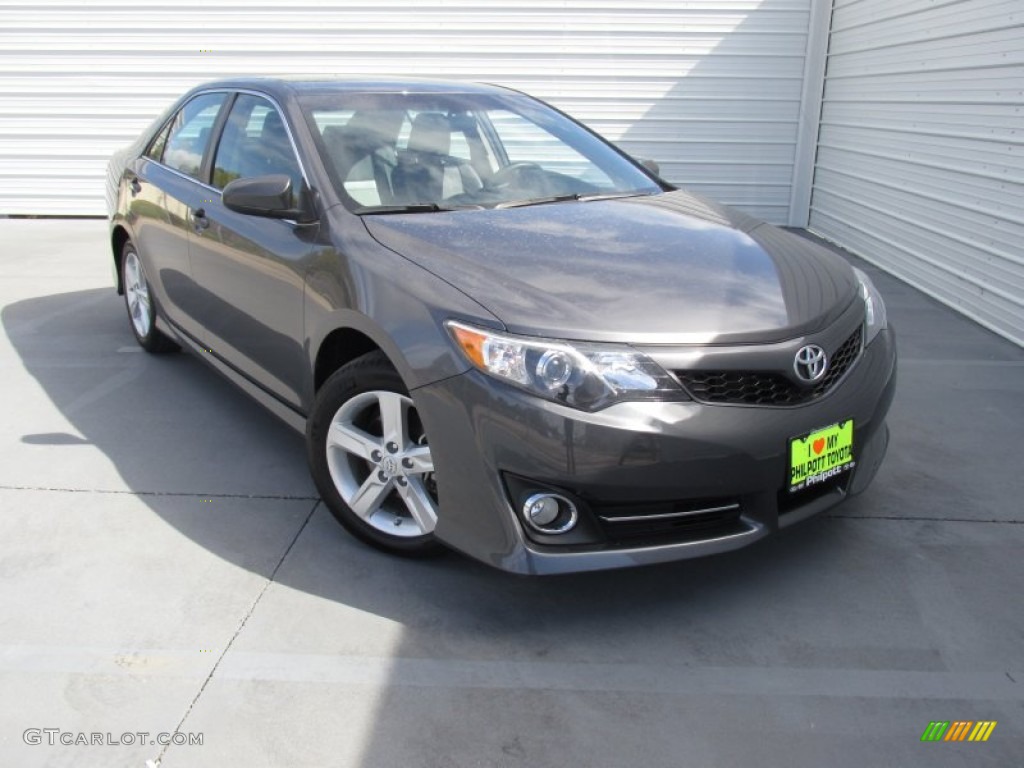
column 920, row 164
column 709, row 88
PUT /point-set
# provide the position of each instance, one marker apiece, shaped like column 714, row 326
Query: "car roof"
column 284, row 86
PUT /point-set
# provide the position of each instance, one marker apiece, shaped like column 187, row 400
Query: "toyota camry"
column 497, row 331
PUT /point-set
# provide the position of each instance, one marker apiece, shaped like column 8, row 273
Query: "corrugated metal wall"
column 709, row 88
column 920, row 165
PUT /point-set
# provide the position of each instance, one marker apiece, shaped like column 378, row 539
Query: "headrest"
column 338, row 137
column 346, row 146
column 431, row 133
column 273, row 129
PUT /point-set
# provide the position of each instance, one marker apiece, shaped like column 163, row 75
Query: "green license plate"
column 821, row 455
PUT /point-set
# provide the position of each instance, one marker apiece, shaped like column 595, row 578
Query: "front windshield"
column 439, row 151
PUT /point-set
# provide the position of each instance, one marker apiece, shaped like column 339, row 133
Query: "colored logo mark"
column 959, row 730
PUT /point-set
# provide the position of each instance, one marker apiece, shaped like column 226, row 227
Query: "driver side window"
column 255, row 142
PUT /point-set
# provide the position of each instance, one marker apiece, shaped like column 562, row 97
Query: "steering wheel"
column 511, row 173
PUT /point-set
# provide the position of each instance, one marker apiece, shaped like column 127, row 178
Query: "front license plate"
column 821, row 455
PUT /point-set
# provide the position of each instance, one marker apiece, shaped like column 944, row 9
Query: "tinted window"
column 255, row 143
column 190, row 133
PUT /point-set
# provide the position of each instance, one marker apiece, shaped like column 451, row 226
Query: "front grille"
column 767, row 387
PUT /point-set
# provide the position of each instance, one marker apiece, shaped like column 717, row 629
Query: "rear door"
column 165, row 188
column 249, row 270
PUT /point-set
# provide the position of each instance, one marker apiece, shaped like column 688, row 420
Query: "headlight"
column 874, row 308
column 585, row 376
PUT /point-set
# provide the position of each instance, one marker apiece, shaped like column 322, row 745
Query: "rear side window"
column 189, row 134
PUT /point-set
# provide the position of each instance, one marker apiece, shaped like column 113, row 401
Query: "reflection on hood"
column 666, row 268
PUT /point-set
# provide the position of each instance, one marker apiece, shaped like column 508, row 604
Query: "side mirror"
column 650, row 165
column 269, row 196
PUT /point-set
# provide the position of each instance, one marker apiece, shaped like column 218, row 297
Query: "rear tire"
column 370, row 460
column 140, row 304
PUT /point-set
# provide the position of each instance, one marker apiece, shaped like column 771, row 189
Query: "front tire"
column 139, row 301
column 370, row 460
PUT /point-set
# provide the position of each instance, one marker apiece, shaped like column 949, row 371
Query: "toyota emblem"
column 810, row 363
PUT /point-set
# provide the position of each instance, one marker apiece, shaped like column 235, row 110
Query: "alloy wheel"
column 381, row 465
column 137, row 292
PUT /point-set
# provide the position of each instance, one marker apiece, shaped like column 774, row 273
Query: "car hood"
column 667, row 268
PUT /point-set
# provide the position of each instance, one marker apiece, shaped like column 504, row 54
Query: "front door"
column 249, row 270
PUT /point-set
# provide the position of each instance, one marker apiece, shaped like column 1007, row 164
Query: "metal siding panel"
column 809, row 123
column 865, row 234
column 709, row 88
column 920, row 165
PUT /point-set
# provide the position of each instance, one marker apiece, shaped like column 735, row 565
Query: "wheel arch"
column 340, row 347
column 119, row 235
column 414, row 343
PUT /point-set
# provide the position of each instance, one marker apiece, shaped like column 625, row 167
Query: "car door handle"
column 199, row 220
column 135, row 185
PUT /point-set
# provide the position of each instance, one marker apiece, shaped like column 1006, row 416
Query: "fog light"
column 550, row 513
column 542, row 510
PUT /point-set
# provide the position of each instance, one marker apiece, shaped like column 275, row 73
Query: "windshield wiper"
column 373, row 210
column 575, row 196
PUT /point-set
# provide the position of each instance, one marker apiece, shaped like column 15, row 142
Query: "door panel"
column 248, row 274
column 248, row 270
column 162, row 246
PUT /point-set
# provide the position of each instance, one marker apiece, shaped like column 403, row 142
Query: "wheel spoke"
column 394, row 411
column 419, row 504
column 421, row 460
column 131, row 269
column 352, row 439
column 370, row 496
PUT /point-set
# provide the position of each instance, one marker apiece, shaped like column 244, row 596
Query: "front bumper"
column 637, row 461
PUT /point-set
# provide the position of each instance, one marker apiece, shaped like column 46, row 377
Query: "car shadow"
column 176, row 432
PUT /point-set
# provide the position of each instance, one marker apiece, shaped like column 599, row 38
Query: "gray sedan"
column 496, row 330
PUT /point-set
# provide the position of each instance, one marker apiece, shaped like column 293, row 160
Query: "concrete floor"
column 165, row 565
